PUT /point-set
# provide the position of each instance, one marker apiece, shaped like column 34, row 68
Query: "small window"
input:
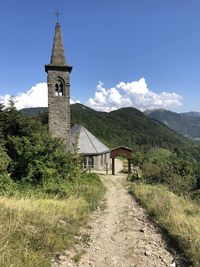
column 59, row 88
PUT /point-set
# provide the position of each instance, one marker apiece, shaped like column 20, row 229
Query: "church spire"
column 58, row 52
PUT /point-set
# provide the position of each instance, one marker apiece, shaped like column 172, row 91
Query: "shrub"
column 159, row 156
column 138, row 158
column 180, row 184
column 39, row 158
column 7, row 185
column 4, row 160
column 161, row 166
column 151, row 172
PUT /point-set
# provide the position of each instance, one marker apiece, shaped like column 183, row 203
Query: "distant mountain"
column 127, row 126
column 32, row 112
column 192, row 114
column 187, row 124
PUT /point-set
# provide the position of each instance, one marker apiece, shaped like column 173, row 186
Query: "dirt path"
column 121, row 235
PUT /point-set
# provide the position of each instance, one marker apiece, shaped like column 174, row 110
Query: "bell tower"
column 58, row 79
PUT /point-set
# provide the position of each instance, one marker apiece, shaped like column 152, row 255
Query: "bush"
column 161, row 166
column 39, row 158
column 151, row 172
column 7, row 185
column 159, row 156
column 180, row 184
column 136, row 175
column 88, row 186
column 4, row 160
column 138, row 158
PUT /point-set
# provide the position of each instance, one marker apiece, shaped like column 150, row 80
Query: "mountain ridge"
column 187, row 123
column 125, row 126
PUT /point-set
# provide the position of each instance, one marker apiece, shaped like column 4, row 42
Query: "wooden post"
column 89, row 168
column 129, row 166
column 87, row 164
column 106, row 168
column 113, row 166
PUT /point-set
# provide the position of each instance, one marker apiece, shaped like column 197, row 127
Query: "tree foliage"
column 4, row 160
column 30, row 154
column 163, row 166
column 39, row 158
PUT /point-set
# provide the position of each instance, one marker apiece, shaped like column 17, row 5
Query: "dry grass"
column 179, row 216
column 34, row 228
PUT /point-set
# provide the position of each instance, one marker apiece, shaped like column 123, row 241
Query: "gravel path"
column 120, row 236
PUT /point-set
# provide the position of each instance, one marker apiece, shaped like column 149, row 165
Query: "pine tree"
column 2, row 123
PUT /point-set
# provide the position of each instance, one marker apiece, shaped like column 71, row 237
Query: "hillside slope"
column 32, row 112
column 126, row 126
column 187, row 124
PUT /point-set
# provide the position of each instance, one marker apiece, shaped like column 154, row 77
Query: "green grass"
column 178, row 215
column 33, row 228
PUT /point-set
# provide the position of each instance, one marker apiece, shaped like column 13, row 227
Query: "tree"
column 39, row 158
column 12, row 120
column 2, row 122
column 4, row 160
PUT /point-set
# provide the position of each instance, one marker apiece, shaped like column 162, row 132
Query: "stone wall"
column 59, row 106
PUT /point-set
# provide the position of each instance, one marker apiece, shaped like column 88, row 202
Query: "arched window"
column 59, row 88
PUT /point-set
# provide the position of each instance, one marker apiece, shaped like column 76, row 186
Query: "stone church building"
column 58, row 78
column 96, row 154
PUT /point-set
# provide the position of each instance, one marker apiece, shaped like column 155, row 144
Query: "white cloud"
column 35, row 97
column 73, row 102
column 132, row 94
column 136, row 87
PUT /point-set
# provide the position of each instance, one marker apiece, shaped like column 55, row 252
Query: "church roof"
column 58, row 51
column 88, row 144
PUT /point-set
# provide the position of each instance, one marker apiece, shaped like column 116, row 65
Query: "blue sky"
column 113, row 41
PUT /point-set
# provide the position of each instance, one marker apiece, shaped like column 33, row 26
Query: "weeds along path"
column 121, row 235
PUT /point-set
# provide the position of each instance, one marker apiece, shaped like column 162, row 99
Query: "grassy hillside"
column 187, row 124
column 126, row 126
column 38, row 223
column 177, row 215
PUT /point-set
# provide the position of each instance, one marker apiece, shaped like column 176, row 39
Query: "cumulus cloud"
column 132, row 94
column 35, row 97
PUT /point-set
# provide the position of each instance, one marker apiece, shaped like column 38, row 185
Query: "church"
column 95, row 153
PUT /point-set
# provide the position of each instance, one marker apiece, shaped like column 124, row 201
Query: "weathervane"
column 57, row 15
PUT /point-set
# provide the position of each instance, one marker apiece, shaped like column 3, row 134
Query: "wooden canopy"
column 121, row 151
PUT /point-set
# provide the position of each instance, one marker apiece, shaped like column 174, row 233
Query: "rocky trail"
column 121, row 235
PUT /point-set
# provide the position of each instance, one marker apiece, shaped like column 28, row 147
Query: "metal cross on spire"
column 57, row 15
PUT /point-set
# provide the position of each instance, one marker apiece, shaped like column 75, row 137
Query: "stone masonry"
column 58, row 78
